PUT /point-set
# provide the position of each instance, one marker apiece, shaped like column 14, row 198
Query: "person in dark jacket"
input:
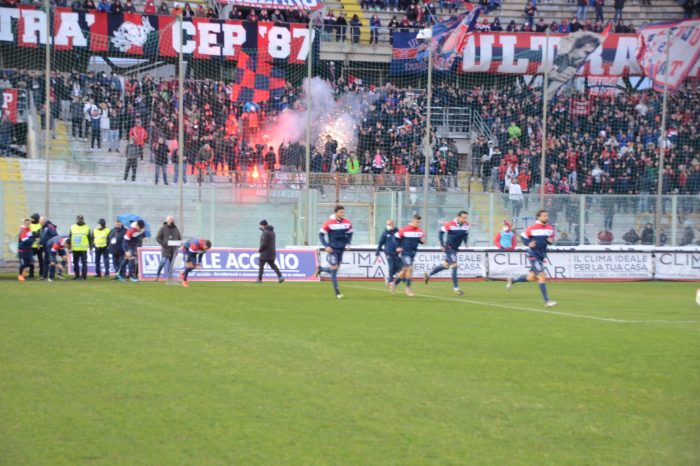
column 389, row 243
column 648, row 235
column 76, row 118
column 48, row 231
column 114, row 243
column 268, row 251
column 168, row 232
column 161, row 156
column 631, row 237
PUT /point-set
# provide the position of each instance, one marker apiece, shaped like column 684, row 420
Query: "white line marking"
column 539, row 311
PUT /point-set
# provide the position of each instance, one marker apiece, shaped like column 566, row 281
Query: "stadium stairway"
column 633, row 12
column 14, row 203
column 61, row 145
column 350, row 8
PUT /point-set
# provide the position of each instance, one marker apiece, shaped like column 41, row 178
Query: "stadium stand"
column 609, row 149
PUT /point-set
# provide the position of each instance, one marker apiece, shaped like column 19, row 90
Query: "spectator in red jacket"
column 605, row 237
column 149, row 8
column 139, row 134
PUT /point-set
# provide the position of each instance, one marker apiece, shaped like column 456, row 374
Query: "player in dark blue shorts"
column 24, row 249
column 193, row 250
column 338, row 230
column 409, row 238
column 130, row 245
column 537, row 237
column 56, row 247
column 457, row 232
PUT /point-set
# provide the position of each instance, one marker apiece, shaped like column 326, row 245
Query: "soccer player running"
column 24, row 249
column 389, row 243
column 193, row 250
column 457, row 231
column 338, row 229
column 129, row 244
column 537, row 238
column 409, row 238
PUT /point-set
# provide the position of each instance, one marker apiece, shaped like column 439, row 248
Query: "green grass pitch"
column 106, row 373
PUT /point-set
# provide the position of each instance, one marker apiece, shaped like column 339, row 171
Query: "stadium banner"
column 235, row 264
column 9, row 104
column 362, row 264
column 576, row 265
column 151, row 35
column 677, row 265
column 308, row 5
column 604, row 86
column 522, row 54
column 682, row 39
column 90, row 264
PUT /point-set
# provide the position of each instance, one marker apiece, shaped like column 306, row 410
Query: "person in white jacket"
column 515, row 196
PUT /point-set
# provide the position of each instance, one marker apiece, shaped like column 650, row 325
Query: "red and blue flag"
column 256, row 80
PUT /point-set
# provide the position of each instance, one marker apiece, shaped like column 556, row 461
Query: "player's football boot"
column 458, row 292
column 550, row 303
column 509, row 284
column 410, row 293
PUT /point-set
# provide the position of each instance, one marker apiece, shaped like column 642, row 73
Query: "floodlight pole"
column 662, row 142
column 47, row 112
column 307, row 142
column 428, row 126
column 181, row 127
column 545, row 103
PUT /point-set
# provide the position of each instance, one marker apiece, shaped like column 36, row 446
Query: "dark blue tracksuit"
column 47, row 232
column 389, row 242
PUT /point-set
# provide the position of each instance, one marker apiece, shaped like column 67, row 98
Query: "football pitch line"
column 533, row 310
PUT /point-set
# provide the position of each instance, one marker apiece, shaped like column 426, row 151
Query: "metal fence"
column 229, row 214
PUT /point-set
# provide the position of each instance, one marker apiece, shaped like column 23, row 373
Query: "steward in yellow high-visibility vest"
column 81, row 242
column 37, row 250
column 100, row 234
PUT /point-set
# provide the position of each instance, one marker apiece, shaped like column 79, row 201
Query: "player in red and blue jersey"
column 24, row 249
column 56, row 247
column 130, row 243
column 537, row 237
column 388, row 244
column 457, row 232
column 409, row 238
column 336, row 237
column 193, row 250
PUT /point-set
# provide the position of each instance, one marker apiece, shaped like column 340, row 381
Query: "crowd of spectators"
column 106, row 111
column 597, row 144
column 612, row 147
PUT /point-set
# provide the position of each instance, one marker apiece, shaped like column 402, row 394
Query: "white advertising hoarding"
column 362, row 263
column 601, row 265
column 677, row 265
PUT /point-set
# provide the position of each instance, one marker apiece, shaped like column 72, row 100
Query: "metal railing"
column 228, row 214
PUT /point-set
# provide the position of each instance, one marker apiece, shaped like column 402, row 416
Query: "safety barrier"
column 580, row 263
